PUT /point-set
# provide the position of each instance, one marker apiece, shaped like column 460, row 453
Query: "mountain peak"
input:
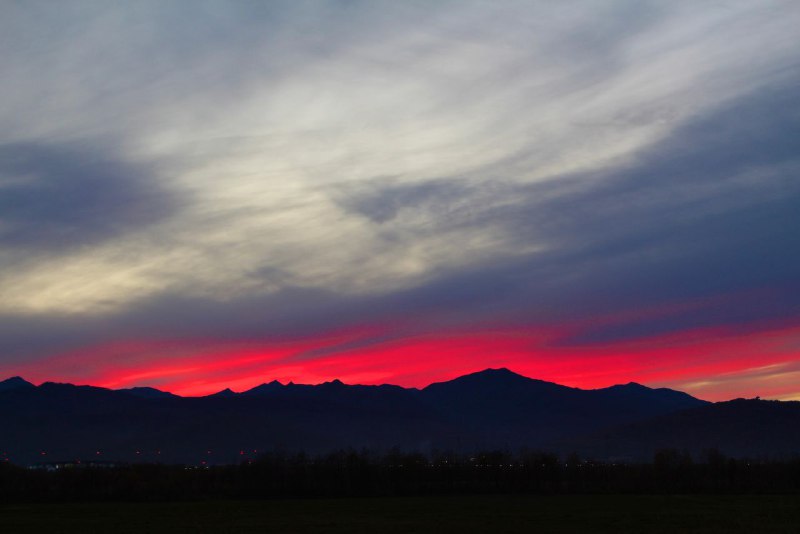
column 266, row 387
column 335, row 382
column 15, row 382
column 501, row 374
column 147, row 392
column 227, row 392
column 492, row 372
column 494, row 379
column 500, row 371
column 632, row 385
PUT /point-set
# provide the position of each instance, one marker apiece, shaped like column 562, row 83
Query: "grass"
column 541, row 514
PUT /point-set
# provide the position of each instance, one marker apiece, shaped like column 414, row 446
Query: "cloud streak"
column 231, row 171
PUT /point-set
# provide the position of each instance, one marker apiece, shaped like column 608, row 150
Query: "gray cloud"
column 381, row 202
column 58, row 197
column 251, row 170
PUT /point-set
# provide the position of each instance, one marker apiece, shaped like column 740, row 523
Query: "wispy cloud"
column 296, row 166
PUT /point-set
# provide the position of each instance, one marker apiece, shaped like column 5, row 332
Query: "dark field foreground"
column 440, row 514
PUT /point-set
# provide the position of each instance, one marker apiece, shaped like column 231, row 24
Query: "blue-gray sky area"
column 197, row 194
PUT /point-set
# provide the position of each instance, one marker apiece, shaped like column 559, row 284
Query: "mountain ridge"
column 490, row 409
column 493, row 373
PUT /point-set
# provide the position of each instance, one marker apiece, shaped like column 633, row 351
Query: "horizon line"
column 336, row 380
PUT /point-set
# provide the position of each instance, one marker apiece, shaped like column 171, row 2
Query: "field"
column 540, row 514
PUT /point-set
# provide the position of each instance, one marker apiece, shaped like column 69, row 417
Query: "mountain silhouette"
column 264, row 389
column 509, row 409
column 148, row 393
column 741, row 428
column 494, row 408
column 14, row 383
column 225, row 393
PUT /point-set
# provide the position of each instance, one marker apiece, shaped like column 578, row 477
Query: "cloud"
column 57, row 197
column 222, row 169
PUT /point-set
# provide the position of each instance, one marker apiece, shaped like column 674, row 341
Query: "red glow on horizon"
column 712, row 363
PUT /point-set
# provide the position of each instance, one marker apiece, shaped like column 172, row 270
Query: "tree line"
column 351, row 473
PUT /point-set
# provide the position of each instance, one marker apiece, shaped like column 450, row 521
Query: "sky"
column 203, row 194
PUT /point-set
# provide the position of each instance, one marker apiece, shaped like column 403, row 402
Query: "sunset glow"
column 713, row 364
column 210, row 195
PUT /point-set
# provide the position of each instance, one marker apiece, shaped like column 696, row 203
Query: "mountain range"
column 491, row 409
